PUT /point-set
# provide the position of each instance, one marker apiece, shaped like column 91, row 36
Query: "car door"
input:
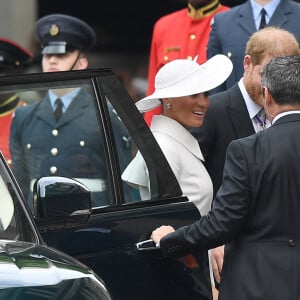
column 120, row 215
column 28, row 268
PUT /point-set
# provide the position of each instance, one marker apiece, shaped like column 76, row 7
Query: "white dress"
column 183, row 153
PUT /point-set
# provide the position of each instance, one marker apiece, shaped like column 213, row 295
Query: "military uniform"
column 41, row 146
column 8, row 104
column 12, row 59
column 59, row 33
column 231, row 31
column 71, row 146
column 181, row 34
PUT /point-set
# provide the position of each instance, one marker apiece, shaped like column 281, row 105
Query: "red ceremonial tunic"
column 5, row 121
column 179, row 35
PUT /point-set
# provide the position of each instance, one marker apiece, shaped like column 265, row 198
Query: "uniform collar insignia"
column 8, row 104
column 203, row 11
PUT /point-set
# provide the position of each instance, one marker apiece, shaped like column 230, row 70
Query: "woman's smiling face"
column 189, row 111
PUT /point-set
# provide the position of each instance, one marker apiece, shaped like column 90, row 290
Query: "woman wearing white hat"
column 181, row 88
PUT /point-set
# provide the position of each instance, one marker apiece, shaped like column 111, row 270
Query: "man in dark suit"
column 231, row 30
column 60, row 138
column 232, row 113
column 256, row 210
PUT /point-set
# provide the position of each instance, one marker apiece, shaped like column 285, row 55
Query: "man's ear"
column 268, row 98
column 247, row 62
column 83, row 63
column 270, row 106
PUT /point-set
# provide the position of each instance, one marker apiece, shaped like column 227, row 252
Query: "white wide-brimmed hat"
column 183, row 77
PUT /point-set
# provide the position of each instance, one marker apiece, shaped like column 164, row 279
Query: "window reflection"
column 71, row 146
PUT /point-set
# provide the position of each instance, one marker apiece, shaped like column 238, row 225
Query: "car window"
column 73, row 146
column 137, row 139
column 93, row 142
column 126, row 150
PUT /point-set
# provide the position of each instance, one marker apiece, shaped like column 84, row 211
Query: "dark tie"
column 262, row 19
column 58, row 109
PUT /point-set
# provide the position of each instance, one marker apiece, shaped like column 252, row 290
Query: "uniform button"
column 291, row 243
column 192, row 37
column 166, row 58
column 189, row 57
column 229, row 54
column 82, row 143
column 53, row 170
column 28, row 146
column 54, row 151
column 55, row 132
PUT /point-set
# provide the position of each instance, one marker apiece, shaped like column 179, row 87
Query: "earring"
column 169, row 106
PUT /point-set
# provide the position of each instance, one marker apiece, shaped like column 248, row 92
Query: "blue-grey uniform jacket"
column 232, row 29
column 71, row 147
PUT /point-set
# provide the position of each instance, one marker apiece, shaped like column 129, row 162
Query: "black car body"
column 103, row 233
column 28, row 268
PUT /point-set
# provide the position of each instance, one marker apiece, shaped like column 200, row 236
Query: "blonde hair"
column 271, row 41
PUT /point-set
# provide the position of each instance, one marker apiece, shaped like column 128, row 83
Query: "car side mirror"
column 60, row 202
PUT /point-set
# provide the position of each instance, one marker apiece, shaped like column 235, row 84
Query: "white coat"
column 183, row 153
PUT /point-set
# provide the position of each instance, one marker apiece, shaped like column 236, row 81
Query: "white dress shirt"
column 269, row 8
column 252, row 107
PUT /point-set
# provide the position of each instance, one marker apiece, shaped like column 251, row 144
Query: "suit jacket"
column 231, row 30
column 256, row 211
column 226, row 119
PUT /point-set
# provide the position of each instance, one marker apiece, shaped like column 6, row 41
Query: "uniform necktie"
column 261, row 119
column 262, row 19
column 58, row 109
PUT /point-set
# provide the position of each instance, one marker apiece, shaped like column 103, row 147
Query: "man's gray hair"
column 282, row 78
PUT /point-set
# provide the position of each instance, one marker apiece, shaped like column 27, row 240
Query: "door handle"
column 146, row 245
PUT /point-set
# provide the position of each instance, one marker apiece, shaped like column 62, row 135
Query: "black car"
column 80, row 203
column 28, row 268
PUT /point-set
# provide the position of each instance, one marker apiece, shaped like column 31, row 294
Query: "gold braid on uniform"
column 203, row 11
column 8, row 104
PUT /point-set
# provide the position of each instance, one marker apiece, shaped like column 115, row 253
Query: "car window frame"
column 168, row 186
column 101, row 80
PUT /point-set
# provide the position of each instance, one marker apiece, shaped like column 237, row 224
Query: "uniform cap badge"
column 54, row 30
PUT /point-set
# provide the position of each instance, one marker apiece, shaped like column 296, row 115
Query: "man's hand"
column 160, row 232
column 217, row 258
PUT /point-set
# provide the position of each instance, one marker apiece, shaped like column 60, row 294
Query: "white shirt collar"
column 285, row 114
column 270, row 9
column 66, row 99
